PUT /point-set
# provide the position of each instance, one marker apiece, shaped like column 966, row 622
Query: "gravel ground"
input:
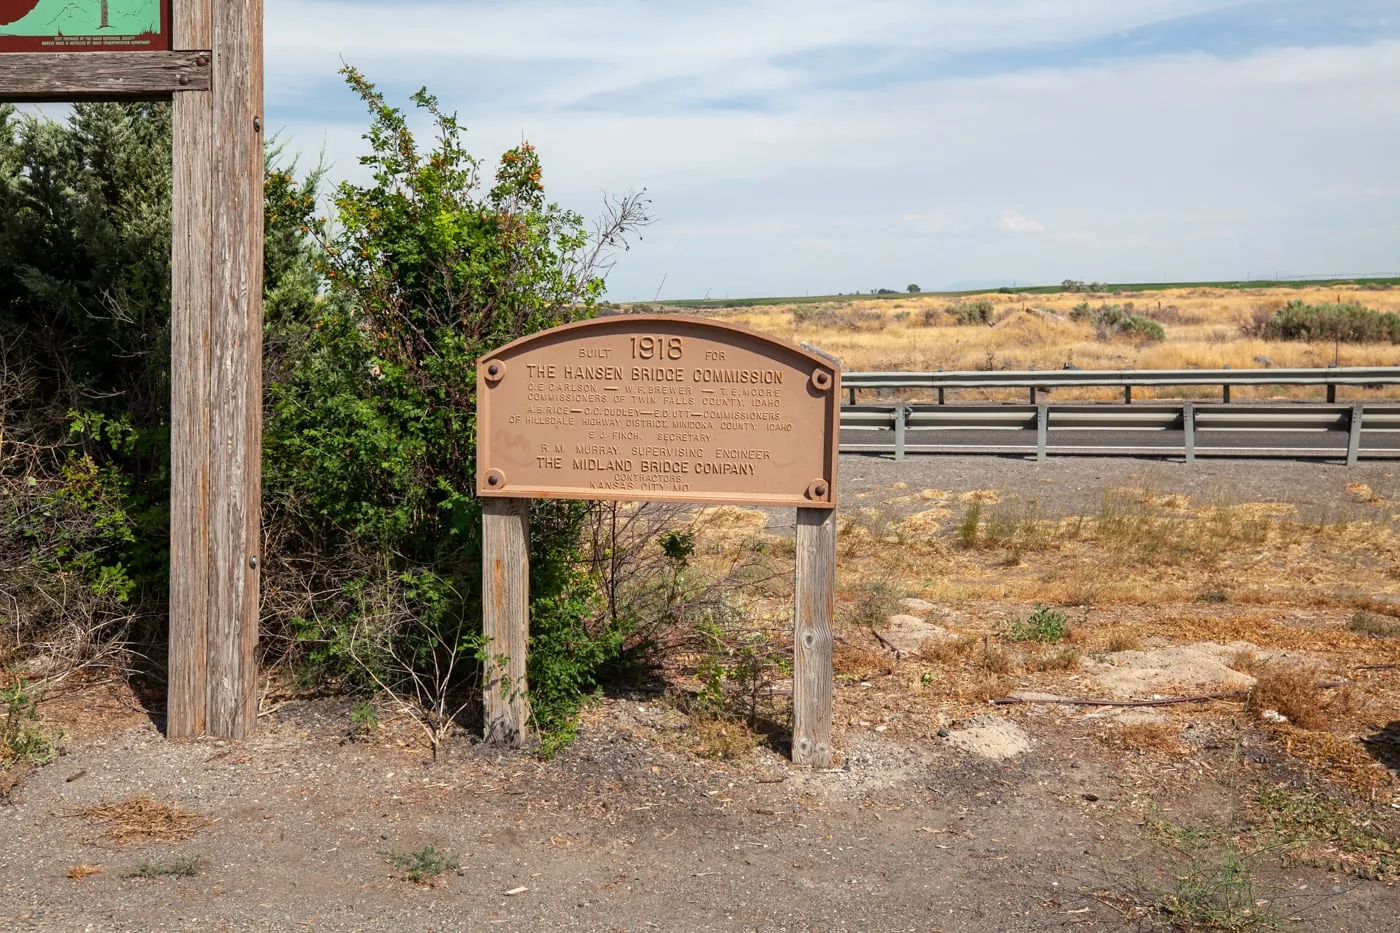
column 1069, row 485
column 621, row 832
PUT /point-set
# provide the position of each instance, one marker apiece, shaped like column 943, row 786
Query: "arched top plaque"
column 658, row 407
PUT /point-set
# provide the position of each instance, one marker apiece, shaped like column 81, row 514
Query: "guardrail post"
column 1127, row 395
column 1188, row 425
column 901, row 417
column 852, row 390
column 1331, row 393
column 1033, row 398
column 1354, row 435
column 1042, row 429
column 1225, row 393
column 940, row 395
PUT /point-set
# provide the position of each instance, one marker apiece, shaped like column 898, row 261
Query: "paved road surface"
column 1168, row 443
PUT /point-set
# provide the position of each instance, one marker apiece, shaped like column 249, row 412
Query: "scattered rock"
column 1030, row 696
column 914, row 604
column 1167, row 671
column 907, row 633
column 993, row 737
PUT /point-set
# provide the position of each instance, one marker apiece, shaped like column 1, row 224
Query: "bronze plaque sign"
column 655, row 407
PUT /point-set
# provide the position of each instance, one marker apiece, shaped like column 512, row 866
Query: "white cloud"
column 1014, row 222
column 1184, row 166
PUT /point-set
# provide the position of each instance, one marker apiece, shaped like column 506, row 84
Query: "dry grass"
column 1373, row 624
column 982, row 687
column 79, row 872
column 722, row 739
column 1063, row 658
column 994, row 660
column 856, row 662
column 1123, row 640
column 1205, row 328
column 142, row 820
column 1291, row 691
column 1158, row 738
column 10, row 778
column 948, row 650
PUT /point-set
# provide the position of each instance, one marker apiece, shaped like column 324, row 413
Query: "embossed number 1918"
column 656, row 348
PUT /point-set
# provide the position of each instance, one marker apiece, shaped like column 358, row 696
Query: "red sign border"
column 160, row 42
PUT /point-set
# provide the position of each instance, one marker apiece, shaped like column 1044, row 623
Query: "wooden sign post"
column 205, row 56
column 657, row 408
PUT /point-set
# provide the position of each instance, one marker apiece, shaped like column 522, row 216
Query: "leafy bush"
column 1347, row 322
column 423, row 865
column 22, row 740
column 372, row 327
column 1118, row 320
column 370, row 445
column 84, row 384
column 975, row 311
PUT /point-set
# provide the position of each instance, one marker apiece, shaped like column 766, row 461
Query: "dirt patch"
column 990, row 737
column 1035, row 817
column 1178, row 669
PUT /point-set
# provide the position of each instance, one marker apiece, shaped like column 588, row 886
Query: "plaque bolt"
column 202, row 61
column 184, row 79
column 495, row 371
column 257, row 124
column 253, row 562
column 821, row 380
column 818, row 490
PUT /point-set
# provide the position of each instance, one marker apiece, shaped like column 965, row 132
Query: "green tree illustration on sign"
column 76, row 18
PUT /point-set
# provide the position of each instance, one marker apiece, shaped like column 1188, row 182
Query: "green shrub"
column 84, row 374
column 970, row 525
column 371, row 438
column 424, row 865
column 1042, row 625
column 1119, row 320
column 1347, row 322
column 973, row 311
column 22, row 740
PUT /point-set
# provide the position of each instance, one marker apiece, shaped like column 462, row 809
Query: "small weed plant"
column 22, row 741
column 364, row 719
column 424, row 865
column 1043, row 625
column 183, row 866
column 970, row 525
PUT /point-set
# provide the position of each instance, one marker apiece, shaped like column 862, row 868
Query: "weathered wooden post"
column 813, row 685
column 657, row 408
column 206, row 57
column 505, row 598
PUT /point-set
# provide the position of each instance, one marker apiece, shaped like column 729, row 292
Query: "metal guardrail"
column 1191, row 418
column 1036, row 381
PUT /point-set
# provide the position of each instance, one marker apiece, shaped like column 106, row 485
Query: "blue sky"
column 817, row 146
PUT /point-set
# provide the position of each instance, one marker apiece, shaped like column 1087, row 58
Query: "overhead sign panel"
column 84, row 25
column 654, row 407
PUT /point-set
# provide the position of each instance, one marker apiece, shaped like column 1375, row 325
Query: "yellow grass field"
column 1205, row 329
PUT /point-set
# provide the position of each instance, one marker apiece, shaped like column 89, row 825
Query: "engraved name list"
column 658, row 408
